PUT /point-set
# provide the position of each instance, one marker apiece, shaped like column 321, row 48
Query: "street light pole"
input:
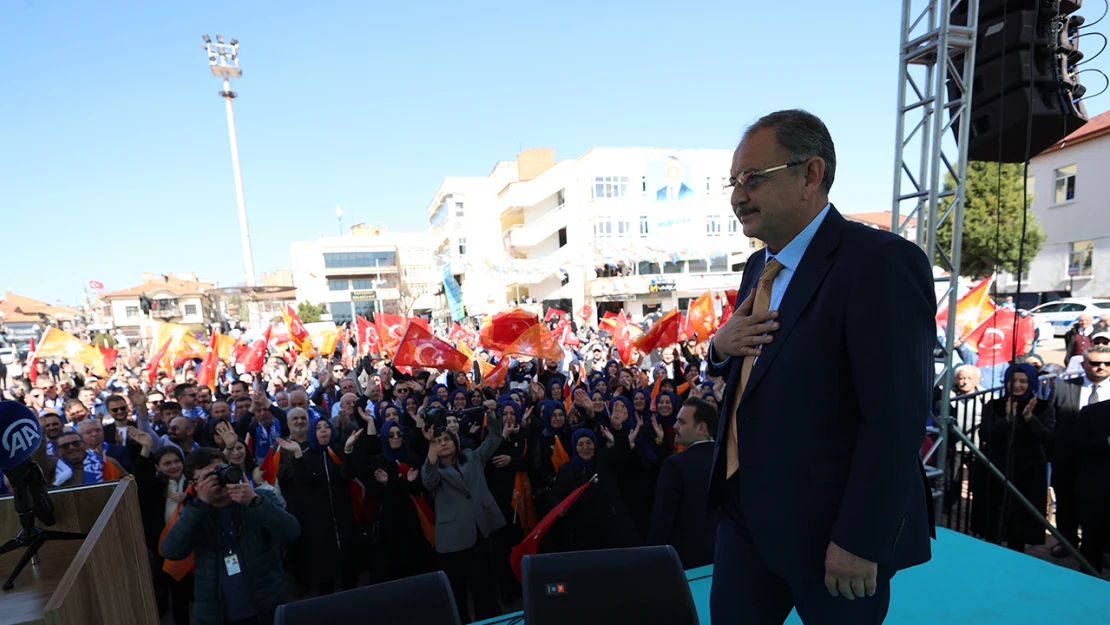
column 223, row 59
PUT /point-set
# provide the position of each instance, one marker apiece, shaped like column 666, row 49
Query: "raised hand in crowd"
column 527, row 419
column 635, row 432
column 381, row 476
column 744, row 334
column 1027, row 414
column 655, row 425
column 207, row 487
column 291, row 446
column 138, row 399
column 349, row 446
column 508, row 430
column 140, row 437
column 609, row 440
column 412, row 475
column 227, row 434
column 259, row 401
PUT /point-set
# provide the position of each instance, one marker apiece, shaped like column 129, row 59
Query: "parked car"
column 1063, row 314
column 7, row 355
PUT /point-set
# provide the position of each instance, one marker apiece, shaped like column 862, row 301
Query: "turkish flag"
column 391, row 328
column 995, row 341
column 554, row 313
column 701, row 320
column 536, row 341
column 368, row 342
column 255, row 356
column 586, row 312
column 96, row 286
column 495, row 379
column 531, row 544
column 623, row 338
column 110, row 355
column 206, row 374
column 728, row 306
column 663, row 333
column 152, row 366
column 506, row 327
column 971, row 310
column 420, row 348
column 459, row 333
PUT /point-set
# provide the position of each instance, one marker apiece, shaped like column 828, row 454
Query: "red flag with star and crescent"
column 624, row 333
column 391, row 329
column 506, row 327
column 663, row 333
column 255, row 355
column 420, row 348
column 994, row 338
column 367, row 340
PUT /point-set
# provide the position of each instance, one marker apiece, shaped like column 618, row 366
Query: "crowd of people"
column 341, row 470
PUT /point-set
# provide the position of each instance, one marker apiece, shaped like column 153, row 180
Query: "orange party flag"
column 297, row 332
column 536, row 341
column 420, row 348
column 701, row 320
column 663, row 333
column 58, row 344
column 206, row 374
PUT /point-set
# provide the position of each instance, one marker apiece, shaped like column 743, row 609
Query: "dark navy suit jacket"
column 832, row 420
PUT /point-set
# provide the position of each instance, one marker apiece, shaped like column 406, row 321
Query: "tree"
column 407, row 295
column 309, row 312
column 992, row 229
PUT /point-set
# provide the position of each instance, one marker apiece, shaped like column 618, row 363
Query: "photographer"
column 466, row 513
column 235, row 535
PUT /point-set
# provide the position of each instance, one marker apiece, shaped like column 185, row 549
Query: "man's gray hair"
column 1097, row 349
column 803, row 135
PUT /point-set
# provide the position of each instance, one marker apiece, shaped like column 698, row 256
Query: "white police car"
column 1062, row 315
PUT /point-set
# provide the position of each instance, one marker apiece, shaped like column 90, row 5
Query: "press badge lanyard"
column 231, row 560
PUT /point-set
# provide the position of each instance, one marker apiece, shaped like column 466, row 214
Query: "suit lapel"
column 811, row 271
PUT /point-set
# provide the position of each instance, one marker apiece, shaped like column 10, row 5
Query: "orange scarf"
column 111, row 472
column 176, row 569
column 523, row 504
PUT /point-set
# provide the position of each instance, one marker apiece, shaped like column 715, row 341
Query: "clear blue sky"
column 115, row 154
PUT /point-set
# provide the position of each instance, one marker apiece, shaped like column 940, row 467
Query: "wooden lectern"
column 104, row 579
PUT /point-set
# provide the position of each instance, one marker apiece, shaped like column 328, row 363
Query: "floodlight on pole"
column 223, row 60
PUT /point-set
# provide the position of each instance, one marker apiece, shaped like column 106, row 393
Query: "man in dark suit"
column 1092, row 487
column 1070, row 397
column 679, row 516
column 819, row 475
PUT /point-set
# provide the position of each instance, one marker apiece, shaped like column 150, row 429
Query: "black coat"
column 400, row 540
column 1017, row 448
column 320, row 499
column 679, row 516
column 1093, row 443
column 1065, row 404
column 598, row 519
column 500, row 480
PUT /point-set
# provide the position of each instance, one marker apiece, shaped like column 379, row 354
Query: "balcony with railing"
column 532, row 233
column 164, row 308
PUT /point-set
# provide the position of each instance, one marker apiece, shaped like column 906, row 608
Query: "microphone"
column 20, row 437
column 20, row 434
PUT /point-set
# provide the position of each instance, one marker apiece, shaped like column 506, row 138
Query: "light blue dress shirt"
column 790, row 257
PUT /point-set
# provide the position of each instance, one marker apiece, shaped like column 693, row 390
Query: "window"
column 1102, row 305
column 669, row 267
column 562, row 237
column 131, row 312
column 1048, row 308
column 462, row 247
column 1065, row 184
column 1081, row 257
column 340, row 311
column 713, row 225
column 733, row 226
column 610, row 186
column 754, row 244
column 648, row 268
column 643, row 226
column 684, row 303
column 624, row 228
column 458, row 209
column 708, row 184
column 719, row 264
column 565, row 280
column 699, row 265
column 603, row 228
column 337, row 285
column 362, row 284
column 191, row 309
column 359, row 259
column 1072, row 308
column 643, row 184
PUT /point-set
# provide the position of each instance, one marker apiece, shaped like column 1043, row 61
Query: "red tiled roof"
column 1097, row 126
column 879, row 218
column 172, row 284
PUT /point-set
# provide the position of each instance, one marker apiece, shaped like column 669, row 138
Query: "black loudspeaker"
column 1025, row 70
column 640, row 585
column 426, row 599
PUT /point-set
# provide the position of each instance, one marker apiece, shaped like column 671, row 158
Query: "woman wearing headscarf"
column 582, row 409
column 393, row 480
column 1014, row 431
column 555, row 389
column 510, row 485
column 667, row 404
column 325, row 551
column 598, row 519
column 553, row 447
column 640, row 471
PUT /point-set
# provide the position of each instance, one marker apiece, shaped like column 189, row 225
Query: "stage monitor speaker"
column 993, row 8
column 639, row 585
column 426, row 599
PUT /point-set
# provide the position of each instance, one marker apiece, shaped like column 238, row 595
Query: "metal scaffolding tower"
column 934, row 95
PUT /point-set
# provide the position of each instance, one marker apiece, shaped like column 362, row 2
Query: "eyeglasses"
column 118, row 409
column 750, row 179
column 69, row 445
column 394, row 434
column 1095, row 365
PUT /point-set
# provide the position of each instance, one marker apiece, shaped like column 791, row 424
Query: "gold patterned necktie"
column 762, row 303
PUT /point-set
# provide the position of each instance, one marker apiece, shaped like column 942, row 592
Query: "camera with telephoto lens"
column 436, row 417
column 228, row 474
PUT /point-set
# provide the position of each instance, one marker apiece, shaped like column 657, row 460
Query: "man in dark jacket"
column 679, row 517
column 235, row 535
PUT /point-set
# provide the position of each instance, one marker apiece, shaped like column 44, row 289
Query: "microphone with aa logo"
column 20, row 437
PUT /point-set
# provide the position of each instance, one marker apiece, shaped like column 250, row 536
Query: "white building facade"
column 1072, row 204
column 640, row 229
column 369, row 270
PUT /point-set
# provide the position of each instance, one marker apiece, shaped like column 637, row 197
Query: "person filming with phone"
column 235, row 535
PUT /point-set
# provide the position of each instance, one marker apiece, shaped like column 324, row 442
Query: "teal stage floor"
column 968, row 582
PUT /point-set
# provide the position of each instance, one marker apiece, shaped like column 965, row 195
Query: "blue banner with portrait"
column 453, row 290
